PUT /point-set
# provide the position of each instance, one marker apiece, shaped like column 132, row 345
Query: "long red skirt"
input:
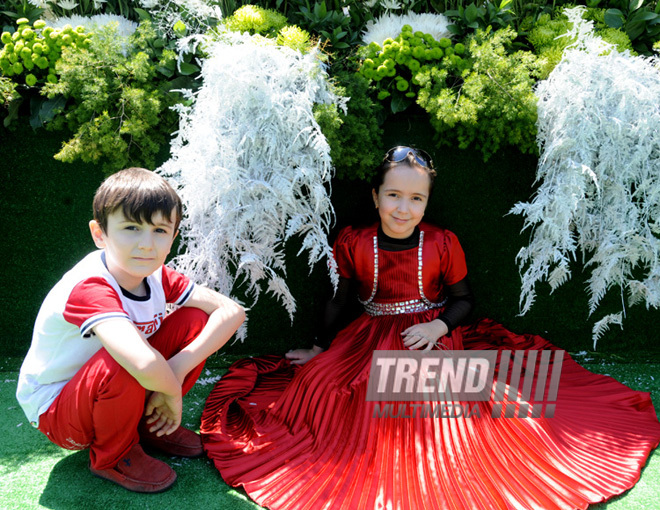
column 306, row 438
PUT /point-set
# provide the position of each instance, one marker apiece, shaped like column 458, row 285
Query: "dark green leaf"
column 165, row 71
column 44, row 110
column 142, row 13
column 614, row 18
column 635, row 4
column 400, row 103
column 471, row 13
column 188, row 69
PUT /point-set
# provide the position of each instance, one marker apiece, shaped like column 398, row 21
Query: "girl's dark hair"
column 140, row 193
column 410, row 160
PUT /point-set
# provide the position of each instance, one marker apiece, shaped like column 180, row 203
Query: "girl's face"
column 401, row 200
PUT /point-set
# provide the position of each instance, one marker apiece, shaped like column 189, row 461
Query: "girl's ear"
column 97, row 234
column 374, row 195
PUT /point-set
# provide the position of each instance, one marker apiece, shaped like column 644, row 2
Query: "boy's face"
column 134, row 250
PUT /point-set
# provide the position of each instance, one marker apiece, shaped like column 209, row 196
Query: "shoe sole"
column 135, row 485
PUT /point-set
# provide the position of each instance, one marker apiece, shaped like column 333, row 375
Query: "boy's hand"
column 164, row 412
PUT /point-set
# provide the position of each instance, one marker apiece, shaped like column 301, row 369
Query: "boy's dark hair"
column 140, row 193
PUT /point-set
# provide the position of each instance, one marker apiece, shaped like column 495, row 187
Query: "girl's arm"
column 335, row 316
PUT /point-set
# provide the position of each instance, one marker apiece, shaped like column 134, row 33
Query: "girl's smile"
column 401, row 200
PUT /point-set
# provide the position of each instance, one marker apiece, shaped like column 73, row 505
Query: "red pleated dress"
column 305, row 437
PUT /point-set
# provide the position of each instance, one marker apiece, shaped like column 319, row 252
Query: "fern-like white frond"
column 598, row 173
column 252, row 167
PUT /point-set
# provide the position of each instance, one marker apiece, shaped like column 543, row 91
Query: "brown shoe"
column 181, row 443
column 138, row 472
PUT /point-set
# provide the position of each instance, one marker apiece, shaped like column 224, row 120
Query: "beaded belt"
column 411, row 306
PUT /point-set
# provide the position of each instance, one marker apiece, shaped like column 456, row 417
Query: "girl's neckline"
column 388, row 243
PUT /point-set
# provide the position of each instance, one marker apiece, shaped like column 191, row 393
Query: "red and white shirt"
column 63, row 338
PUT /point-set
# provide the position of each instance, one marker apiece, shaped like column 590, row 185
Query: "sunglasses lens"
column 400, row 153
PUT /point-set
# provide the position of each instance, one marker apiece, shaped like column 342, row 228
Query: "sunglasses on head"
column 400, row 153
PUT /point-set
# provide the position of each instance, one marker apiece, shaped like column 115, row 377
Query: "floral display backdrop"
column 264, row 104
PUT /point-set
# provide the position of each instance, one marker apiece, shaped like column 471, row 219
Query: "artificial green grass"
column 36, row 474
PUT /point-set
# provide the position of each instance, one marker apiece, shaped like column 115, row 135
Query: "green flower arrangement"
column 488, row 101
column 393, row 68
column 271, row 24
column 115, row 104
column 29, row 54
column 256, row 20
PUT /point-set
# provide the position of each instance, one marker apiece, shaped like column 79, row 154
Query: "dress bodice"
column 415, row 277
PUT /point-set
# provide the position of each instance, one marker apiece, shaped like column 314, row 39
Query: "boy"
column 107, row 368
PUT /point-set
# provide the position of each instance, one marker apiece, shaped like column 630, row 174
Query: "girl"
column 298, row 432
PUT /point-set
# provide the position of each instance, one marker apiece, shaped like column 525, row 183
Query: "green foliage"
column 489, row 104
column 467, row 20
column 14, row 10
column 117, row 110
column 394, row 68
column 7, row 91
column 9, row 98
column 355, row 137
column 639, row 21
column 546, row 37
column 341, row 31
column 30, row 53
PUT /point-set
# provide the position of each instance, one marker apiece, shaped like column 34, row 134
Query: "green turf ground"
column 35, row 474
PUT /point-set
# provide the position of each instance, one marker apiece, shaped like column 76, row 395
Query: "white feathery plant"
column 390, row 25
column 252, row 167
column 599, row 175
column 194, row 13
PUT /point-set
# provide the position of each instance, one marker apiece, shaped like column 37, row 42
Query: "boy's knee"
column 194, row 318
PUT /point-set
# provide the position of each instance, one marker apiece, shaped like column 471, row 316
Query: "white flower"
column 391, row 5
column 370, row 3
column 390, row 25
column 99, row 3
column 39, row 3
column 125, row 27
column 68, row 4
column 148, row 4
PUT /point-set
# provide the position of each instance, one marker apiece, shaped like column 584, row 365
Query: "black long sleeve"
column 344, row 307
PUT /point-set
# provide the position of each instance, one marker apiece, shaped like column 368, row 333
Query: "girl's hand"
column 302, row 356
column 425, row 335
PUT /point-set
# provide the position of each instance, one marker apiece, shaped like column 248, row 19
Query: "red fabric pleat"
column 305, row 437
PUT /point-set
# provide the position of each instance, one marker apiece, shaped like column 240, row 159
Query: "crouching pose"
column 108, row 366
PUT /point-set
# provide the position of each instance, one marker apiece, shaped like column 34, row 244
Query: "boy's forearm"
column 137, row 357
column 222, row 324
column 158, row 376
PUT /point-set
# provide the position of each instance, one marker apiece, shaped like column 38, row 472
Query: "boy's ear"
column 97, row 233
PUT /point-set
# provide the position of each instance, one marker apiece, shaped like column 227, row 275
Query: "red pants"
column 100, row 408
